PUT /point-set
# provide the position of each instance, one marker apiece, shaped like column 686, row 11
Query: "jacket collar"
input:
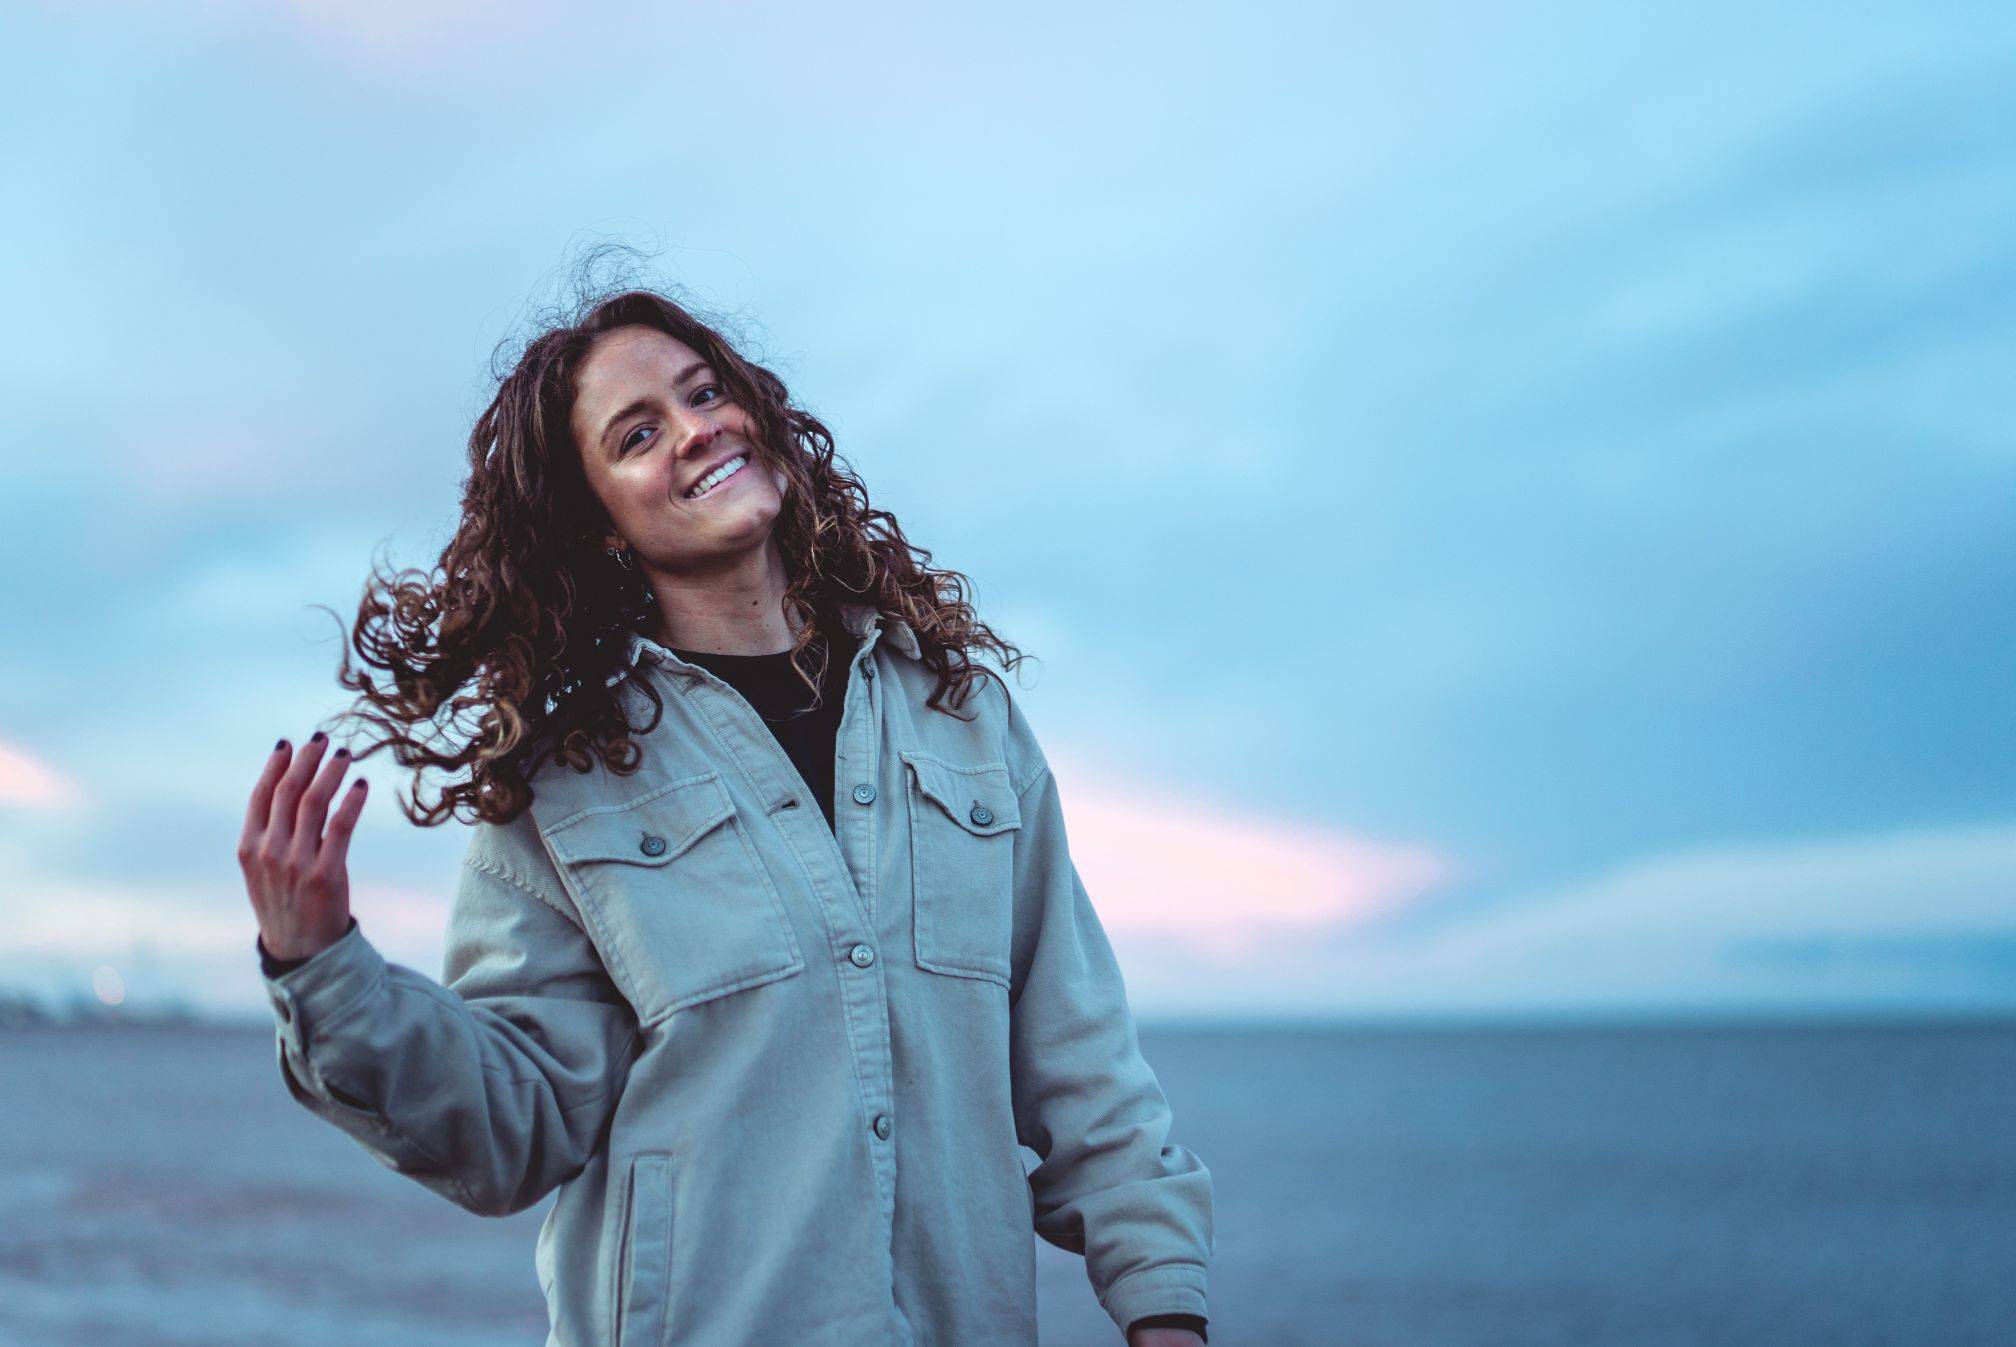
column 863, row 620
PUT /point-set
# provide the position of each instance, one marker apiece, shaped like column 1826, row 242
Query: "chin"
column 753, row 522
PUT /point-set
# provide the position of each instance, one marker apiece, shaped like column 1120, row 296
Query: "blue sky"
column 1529, row 489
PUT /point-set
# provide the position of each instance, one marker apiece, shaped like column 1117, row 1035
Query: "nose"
column 701, row 432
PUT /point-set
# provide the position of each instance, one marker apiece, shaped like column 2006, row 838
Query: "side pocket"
column 346, row 1099
column 644, row 1252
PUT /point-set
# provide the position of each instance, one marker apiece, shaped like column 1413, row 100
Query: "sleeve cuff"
column 273, row 968
column 1167, row 1288
column 324, row 987
column 1193, row 1322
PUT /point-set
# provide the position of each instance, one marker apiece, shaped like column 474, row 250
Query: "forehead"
column 628, row 361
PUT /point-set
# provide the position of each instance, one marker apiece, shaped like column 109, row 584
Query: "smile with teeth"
column 718, row 476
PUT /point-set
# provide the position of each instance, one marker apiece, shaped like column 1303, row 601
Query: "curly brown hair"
column 506, row 651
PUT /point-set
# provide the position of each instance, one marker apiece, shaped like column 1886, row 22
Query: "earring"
column 622, row 557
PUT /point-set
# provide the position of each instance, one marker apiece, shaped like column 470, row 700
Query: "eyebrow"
column 643, row 404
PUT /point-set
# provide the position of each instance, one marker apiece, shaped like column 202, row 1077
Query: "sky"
column 1512, row 504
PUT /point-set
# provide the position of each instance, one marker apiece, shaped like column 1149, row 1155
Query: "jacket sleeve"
column 1109, row 1185
column 493, row 1089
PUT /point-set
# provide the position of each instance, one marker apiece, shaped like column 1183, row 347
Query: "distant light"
column 111, row 988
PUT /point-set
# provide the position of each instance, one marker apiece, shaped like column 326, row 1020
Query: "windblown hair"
column 502, row 653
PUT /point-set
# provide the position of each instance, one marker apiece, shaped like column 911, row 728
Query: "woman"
column 776, row 1060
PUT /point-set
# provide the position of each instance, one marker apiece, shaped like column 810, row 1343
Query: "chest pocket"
column 963, row 821
column 679, row 901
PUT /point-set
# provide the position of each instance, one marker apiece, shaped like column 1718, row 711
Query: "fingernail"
column 317, row 737
column 342, row 753
column 358, row 784
column 278, row 745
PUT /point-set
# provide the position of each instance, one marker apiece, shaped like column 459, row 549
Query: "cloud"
column 418, row 37
column 1911, row 919
column 175, row 943
column 1905, row 881
column 27, row 782
column 1225, row 884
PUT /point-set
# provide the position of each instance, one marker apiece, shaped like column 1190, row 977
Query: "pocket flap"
column 649, row 830
column 979, row 799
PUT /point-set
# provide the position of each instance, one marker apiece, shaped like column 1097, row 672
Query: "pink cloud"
column 28, row 782
column 408, row 925
column 407, row 36
column 390, row 35
column 1225, row 884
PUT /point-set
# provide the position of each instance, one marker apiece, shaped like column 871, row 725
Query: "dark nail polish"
column 358, row 784
column 278, row 745
column 317, row 737
column 342, row 753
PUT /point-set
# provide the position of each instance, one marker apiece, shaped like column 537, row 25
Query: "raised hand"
column 295, row 870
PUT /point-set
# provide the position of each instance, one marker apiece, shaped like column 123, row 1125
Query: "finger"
column 262, row 800
column 336, row 841
column 314, row 806
column 287, row 795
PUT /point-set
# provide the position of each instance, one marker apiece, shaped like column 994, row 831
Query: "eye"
column 631, row 439
column 715, row 389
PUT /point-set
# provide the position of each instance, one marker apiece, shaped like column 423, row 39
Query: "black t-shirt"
column 807, row 734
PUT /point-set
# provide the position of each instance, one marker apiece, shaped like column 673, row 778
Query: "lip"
column 701, row 475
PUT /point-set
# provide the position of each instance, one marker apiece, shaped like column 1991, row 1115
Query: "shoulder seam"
column 523, row 885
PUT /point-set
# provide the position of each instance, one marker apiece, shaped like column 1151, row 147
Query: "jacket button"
column 861, row 955
column 883, row 1126
column 652, row 845
column 981, row 814
column 864, row 794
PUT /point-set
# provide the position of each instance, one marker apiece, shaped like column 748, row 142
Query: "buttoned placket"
column 839, row 862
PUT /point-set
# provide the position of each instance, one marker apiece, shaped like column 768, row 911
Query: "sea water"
column 1403, row 1187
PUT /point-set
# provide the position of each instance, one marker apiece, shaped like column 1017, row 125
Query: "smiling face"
column 654, row 422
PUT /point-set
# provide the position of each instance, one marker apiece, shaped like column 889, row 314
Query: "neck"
column 738, row 610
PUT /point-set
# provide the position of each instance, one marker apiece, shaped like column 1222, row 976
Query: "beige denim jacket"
column 778, row 1077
